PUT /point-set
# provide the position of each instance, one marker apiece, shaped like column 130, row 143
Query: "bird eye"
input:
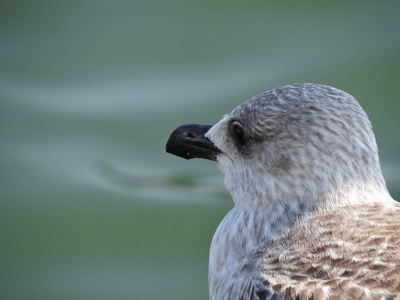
column 239, row 134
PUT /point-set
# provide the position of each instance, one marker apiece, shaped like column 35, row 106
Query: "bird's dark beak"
column 188, row 141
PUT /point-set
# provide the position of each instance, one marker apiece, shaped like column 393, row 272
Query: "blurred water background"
column 91, row 206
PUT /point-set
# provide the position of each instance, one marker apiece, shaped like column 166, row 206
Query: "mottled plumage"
column 312, row 218
column 351, row 252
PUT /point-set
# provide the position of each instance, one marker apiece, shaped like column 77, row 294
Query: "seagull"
column 312, row 216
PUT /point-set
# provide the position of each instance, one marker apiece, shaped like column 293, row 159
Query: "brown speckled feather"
column 347, row 253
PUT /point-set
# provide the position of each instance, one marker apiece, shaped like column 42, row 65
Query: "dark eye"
column 239, row 134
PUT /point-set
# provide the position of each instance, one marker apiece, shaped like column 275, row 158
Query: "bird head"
column 299, row 143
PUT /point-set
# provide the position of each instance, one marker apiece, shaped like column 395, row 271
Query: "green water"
column 91, row 206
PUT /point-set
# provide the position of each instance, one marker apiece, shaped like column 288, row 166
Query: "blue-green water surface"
column 91, row 206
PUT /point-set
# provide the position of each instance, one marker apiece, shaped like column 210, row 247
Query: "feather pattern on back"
column 351, row 252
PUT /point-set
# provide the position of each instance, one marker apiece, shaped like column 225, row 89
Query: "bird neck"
column 298, row 196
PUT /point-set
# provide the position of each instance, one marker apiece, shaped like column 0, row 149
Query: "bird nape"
column 312, row 217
